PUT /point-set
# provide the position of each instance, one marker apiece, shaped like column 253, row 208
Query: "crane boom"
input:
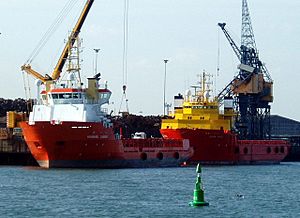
column 27, row 68
column 63, row 57
column 235, row 48
column 72, row 38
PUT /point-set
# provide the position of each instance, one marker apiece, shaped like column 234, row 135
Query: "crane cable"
column 61, row 16
column 218, row 63
column 26, row 85
column 125, row 40
column 125, row 55
column 27, row 90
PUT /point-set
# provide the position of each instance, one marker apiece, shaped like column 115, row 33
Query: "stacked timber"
column 130, row 124
column 18, row 105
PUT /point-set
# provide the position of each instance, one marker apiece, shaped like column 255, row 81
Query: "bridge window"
column 104, row 95
column 54, row 96
column 44, row 97
column 76, row 95
column 65, row 95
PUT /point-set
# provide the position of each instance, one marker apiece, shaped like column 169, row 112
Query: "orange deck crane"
column 48, row 80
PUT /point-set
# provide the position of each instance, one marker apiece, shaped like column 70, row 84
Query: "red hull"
column 222, row 147
column 75, row 144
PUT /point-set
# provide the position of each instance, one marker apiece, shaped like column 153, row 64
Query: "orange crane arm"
column 62, row 60
column 29, row 70
column 72, row 38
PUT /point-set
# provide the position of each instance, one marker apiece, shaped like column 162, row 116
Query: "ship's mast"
column 73, row 65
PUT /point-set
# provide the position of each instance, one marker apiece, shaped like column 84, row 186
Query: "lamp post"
column 165, row 79
column 96, row 59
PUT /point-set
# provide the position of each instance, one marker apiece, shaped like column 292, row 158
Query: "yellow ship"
column 199, row 117
column 200, row 110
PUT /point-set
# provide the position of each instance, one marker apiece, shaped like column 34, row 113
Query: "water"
column 266, row 191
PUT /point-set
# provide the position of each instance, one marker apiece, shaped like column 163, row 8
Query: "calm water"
column 269, row 191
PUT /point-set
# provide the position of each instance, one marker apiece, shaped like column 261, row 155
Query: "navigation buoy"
column 198, row 199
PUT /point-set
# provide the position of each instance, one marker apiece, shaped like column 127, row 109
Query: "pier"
column 14, row 151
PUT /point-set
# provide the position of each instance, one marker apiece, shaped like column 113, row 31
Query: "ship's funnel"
column 92, row 90
column 178, row 101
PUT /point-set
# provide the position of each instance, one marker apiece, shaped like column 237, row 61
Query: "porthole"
column 143, row 156
column 37, row 145
column 60, row 143
column 282, row 149
column 176, row 155
column 236, row 150
column 160, row 156
column 245, row 150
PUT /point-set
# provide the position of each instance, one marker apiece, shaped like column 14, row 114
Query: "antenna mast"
column 247, row 35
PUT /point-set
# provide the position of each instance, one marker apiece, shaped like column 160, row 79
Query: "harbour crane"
column 252, row 87
column 47, row 79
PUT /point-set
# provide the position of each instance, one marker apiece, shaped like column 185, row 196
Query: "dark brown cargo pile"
column 134, row 123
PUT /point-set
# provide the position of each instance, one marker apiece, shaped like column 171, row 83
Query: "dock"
column 14, row 151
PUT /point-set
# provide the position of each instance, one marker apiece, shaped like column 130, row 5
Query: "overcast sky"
column 185, row 32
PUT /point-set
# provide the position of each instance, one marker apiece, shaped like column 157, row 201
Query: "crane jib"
column 62, row 60
column 72, row 38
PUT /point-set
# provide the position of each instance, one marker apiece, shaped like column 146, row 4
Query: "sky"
column 184, row 32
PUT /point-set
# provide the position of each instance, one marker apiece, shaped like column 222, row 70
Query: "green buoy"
column 198, row 200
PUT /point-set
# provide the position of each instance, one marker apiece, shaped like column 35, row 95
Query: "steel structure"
column 252, row 87
column 247, row 35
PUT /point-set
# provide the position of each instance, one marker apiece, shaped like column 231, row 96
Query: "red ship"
column 223, row 147
column 197, row 117
column 69, row 128
column 91, row 144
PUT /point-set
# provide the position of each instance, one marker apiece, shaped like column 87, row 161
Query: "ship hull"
column 91, row 145
column 222, row 147
column 112, row 164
